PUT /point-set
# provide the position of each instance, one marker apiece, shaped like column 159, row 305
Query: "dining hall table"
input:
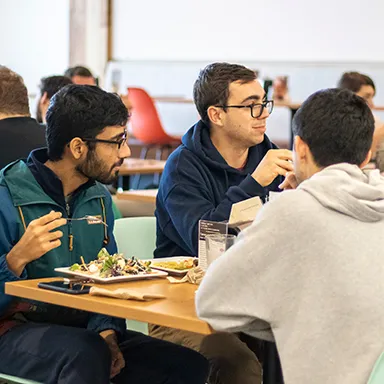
column 175, row 310
column 136, row 167
column 140, row 195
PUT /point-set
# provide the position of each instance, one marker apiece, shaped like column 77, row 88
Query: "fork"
column 89, row 218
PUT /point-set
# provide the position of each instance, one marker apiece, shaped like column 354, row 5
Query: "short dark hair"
column 337, row 125
column 13, row 93
column 81, row 111
column 212, row 85
column 78, row 71
column 354, row 81
column 51, row 85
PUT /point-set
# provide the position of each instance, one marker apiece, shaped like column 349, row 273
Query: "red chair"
column 146, row 124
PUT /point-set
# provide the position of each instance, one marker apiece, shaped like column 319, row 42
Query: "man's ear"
column 44, row 99
column 300, row 147
column 366, row 160
column 78, row 148
column 215, row 115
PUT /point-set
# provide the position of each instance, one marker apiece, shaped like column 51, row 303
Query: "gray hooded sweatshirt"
column 309, row 274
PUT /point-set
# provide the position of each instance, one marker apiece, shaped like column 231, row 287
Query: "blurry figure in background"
column 48, row 87
column 280, row 89
column 19, row 133
column 83, row 76
column 363, row 86
column 80, row 75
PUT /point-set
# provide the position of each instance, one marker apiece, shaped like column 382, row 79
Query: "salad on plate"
column 106, row 266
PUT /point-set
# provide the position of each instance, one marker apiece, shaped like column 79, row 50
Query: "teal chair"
column 377, row 375
column 136, row 236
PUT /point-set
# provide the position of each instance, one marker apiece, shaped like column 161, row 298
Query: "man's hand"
column 37, row 240
column 276, row 162
column 118, row 362
column 290, row 182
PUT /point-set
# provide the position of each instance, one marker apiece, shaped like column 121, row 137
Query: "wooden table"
column 142, row 195
column 133, row 166
column 177, row 310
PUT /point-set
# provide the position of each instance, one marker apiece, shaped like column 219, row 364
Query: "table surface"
column 177, row 310
column 142, row 195
column 132, row 166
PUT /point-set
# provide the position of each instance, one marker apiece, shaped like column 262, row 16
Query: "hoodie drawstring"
column 22, row 218
column 106, row 238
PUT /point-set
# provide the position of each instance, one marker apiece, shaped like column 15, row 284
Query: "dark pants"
column 58, row 354
column 234, row 358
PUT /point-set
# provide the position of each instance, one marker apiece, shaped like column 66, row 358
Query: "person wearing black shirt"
column 19, row 133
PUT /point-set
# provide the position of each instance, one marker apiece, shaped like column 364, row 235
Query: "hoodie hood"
column 30, row 182
column 347, row 189
column 198, row 141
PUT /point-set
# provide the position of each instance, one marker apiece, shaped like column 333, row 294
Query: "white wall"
column 176, row 78
column 34, row 38
column 249, row 30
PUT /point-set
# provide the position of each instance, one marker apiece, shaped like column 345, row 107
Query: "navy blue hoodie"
column 197, row 183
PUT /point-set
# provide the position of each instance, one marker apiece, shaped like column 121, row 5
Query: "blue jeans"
column 59, row 354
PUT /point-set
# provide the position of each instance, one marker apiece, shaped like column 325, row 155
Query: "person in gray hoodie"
column 308, row 273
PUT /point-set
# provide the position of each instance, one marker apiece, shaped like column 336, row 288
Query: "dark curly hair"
column 81, row 111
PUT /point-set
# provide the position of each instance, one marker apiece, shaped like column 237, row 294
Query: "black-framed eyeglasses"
column 121, row 142
column 256, row 109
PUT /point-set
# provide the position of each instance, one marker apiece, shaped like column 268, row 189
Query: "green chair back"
column 377, row 375
column 136, row 236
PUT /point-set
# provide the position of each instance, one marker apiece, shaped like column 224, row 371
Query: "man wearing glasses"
column 42, row 201
column 224, row 159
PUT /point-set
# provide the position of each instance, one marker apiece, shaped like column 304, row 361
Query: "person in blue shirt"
column 225, row 158
column 87, row 143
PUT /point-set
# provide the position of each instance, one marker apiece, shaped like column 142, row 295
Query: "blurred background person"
column 48, row 87
column 280, row 89
column 81, row 75
column 19, row 133
column 363, row 86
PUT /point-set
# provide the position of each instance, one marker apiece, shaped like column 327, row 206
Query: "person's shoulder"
column 181, row 161
column 7, row 207
column 290, row 205
column 101, row 189
column 179, row 155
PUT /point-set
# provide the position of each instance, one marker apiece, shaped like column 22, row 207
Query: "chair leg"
column 169, row 148
column 159, row 156
column 143, row 156
column 159, row 152
column 144, row 152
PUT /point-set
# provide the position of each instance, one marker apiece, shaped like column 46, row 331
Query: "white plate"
column 175, row 272
column 115, row 279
